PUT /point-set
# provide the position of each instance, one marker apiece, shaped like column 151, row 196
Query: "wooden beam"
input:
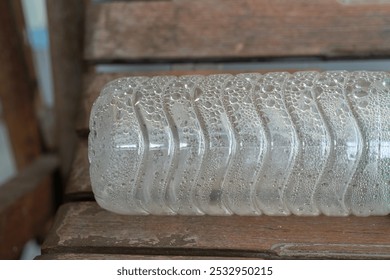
column 230, row 29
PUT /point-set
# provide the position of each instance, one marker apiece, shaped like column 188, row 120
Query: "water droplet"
column 270, row 103
column 386, row 83
column 359, row 93
column 128, row 102
column 269, row 88
column 119, row 115
column 362, row 83
column 175, row 96
column 207, row 104
column 149, row 109
column 363, row 104
column 247, row 100
column 197, row 93
column 137, row 98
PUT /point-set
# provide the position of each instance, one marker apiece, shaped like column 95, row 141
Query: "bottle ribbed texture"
column 307, row 143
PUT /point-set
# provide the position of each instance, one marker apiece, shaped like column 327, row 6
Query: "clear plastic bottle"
column 307, row 143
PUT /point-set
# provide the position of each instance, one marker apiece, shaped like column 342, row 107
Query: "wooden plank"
column 66, row 20
column 17, row 90
column 229, row 29
column 84, row 227
column 70, row 256
column 26, row 204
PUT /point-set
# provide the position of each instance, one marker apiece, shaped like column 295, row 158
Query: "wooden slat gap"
column 84, row 256
column 161, row 251
column 230, row 59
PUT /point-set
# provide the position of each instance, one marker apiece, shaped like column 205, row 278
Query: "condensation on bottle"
column 306, row 143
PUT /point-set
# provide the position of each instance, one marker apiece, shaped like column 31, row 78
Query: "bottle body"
column 307, row 143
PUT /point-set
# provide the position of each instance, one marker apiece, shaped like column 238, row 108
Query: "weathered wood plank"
column 220, row 29
column 66, row 22
column 84, row 227
column 26, row 204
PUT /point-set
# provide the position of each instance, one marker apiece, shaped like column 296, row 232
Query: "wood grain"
column 84, row 227
column 229, row 29
column 26, row 204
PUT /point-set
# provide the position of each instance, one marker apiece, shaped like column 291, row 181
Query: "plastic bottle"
column 307, row 143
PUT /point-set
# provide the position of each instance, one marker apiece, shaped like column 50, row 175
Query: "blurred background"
column 27, row 112
column 48, row 48
column 36, row 38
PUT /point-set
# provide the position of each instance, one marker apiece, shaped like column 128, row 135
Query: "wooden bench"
column 155, row 32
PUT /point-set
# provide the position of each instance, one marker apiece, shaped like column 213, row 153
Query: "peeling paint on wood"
column 84, row 227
